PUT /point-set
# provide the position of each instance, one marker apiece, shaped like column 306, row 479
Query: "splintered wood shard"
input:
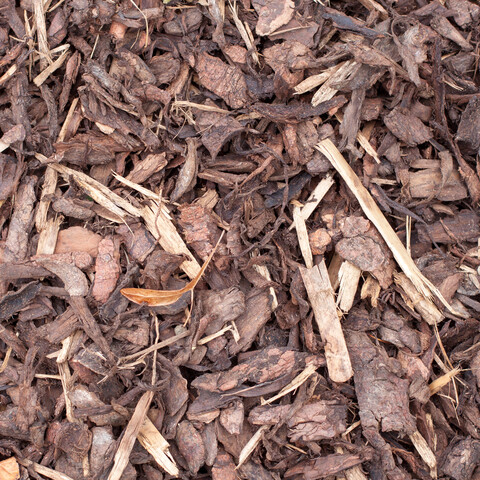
column 126, row 444
column 373, row 213
column 156, row 445
column 320, row 294
column 349, row 276
column 163, row 229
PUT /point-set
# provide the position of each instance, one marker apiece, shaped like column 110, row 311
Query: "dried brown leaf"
column 155, row 298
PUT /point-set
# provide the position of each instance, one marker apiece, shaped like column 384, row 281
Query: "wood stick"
column 321, row 297
column 134, row 425
column 349, row 276
column 315, row 198
column 302, row 235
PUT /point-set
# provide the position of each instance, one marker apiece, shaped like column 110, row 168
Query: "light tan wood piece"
column 122, row 454
column 349, row 277
column 302, row 235
column 320, row 294
column 315, row 198
column 156, row 445
column 424, row 306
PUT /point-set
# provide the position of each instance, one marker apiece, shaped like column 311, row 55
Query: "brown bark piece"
column 263, row 366
column 232, row 418
column 73, row 208
column 78, row 239
column 191, row 446
column 16, row 244
column 143, row 170
column 224, row 467
column 201, row 231
column 272, row 14
column 315, row 421
column 223, row 306
column 461, row 459
column 319, row 240
column 329, row 465
column 138, row 241
column 187, row 176
column 258, row 310
column 216, row 129
column 107, row 270
column 430, row 182
column 468, row 135
column 465, row 226
column 382, row 395
column 92, row 149
column 407, row 128
column 74, row 439
column 441, row 25
column 102, row 443
column 225, row 81
column 387, row 409
column 8, row 174
column 465, row 12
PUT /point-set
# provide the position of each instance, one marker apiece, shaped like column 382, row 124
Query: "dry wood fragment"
column 316, row 80
column 101, row 194
column 422, row 284
column 301, row 378
column 353, row 473
column 431, row 183
column 315, row 198
column 264, row 272
column 242, row 29
column 15, row 134
column 160, row 225
column 251, row 445
column 156, row 445
column 64, row 371
column 122, row 454
column 437, row 385
column 424, row 451
column 9, row 469
column 371, row 289
column 333, row 269
column 362, row 140
column 326, row 91
column 424, row 306
column 349, row 277
column 48, row 236
column 320, row 294
column 373, row 5
column 302, row 235
column 42, row 470
column 40, row 24
column 40, row 78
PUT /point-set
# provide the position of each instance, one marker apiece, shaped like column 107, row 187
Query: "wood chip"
column 320, row 294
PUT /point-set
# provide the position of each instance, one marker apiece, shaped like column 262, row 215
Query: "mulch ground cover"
column 239, row 239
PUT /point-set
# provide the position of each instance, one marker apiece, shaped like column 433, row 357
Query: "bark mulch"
column 239, row 239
